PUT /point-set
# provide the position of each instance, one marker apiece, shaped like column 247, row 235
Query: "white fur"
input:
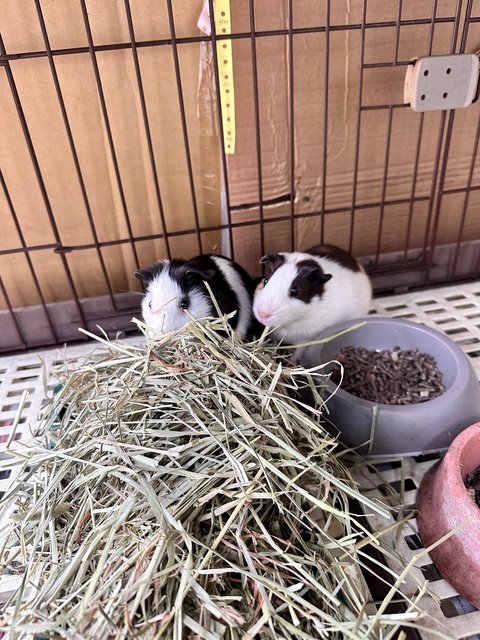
column 233, row 278
column 165, row 295
column 347, row 295
column 166, row 314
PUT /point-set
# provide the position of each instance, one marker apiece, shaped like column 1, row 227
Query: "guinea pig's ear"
column 316, row 275
column 273, row 261
column 325, row 277
column 143, row 274
column 151, row 272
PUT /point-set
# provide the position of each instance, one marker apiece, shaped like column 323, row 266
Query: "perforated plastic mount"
column 437, row 83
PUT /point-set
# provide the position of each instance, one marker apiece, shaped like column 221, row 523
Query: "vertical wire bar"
column 433, row 188
column 397, row 32
column 40, row 180
column 408, row 232
column 146, row 124
column 389, row 139
column 359, row 122
column 448, row 135
column 465, row 202
column 183, row 117
column 258, row 140
column 419, row 144
column 73, row 149
column 108, row 130
column 291, row 109
column 384, row 185
column 18, row 328
column 477, row 267
column 325, row 120
column 220, row 123
column 28, row 257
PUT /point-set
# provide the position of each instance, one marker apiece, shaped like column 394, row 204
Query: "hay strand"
column 183, row 491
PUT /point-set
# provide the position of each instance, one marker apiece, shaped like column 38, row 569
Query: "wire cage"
column 114, row 133
column 113, row 148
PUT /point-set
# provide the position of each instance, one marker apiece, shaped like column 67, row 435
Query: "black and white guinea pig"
column 175, row 286
column 305, row 293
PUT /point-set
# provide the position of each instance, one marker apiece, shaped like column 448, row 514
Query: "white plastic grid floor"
column 453, row 310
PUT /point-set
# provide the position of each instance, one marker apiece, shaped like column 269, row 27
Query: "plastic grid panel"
column 31, row 373
column 27, row 372
column 453, row 310
column 446, row 612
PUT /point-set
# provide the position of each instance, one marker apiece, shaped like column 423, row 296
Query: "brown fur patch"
column 340, row 256
column 310, row 281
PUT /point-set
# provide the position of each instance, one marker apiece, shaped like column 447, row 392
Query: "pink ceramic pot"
column 443, row 503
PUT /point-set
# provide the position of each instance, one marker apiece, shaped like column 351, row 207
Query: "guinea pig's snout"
column 159, row 307
column 263, row 315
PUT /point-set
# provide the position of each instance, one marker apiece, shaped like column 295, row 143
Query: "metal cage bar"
column 448, row 136
column 28, row 258
column 234, row 36
column 419, row 142
column 358, row 128
column 183, row 117
column 13, row 317
column 326, row 75
column 226, row 227
column 108, row 129
column 258, row 137
column 468, row 190
column 73, row 149
column 291, row 122
column 384, row 185
column 41, row 184
column 146, row 124
column 415, row 255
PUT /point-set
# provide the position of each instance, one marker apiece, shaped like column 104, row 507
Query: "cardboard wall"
column 34, row 82
column 381, row 86
column 386, row 175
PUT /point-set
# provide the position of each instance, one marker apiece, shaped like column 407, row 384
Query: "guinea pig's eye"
column 265, row 281
column 150, row 304
column 294, row 292
column 184, row 303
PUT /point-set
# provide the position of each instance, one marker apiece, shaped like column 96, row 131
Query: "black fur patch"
column 151, row 272
column 309, row 282
column 340, row 256
column 203, row 268
column 191, row 274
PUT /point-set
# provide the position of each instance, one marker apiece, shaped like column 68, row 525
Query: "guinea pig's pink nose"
column 263, row 315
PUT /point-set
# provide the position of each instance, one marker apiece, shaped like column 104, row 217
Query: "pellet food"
column 397, row 377
column 472, row 482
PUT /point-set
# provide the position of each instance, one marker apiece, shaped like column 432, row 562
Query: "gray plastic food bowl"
column 425, row 427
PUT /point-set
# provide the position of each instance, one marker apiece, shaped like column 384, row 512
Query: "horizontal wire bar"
column 233, row 36
column 220, row 227
column 392, row 63
column 376, row 107
column 475, row 187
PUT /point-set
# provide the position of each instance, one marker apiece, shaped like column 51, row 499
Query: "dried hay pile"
column 187, row 495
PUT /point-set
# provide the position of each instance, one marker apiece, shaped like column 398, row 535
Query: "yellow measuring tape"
column 223, row 26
